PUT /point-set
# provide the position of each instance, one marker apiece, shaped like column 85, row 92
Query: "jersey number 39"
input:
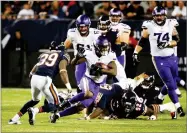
column 48, row 59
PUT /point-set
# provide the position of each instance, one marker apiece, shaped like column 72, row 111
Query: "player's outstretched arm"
column 33, row 71
column 67, row 43
column 64, row 75
column 95, row 113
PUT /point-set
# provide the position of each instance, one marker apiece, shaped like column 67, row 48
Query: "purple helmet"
column 103, row 24
column 102, row 46
column 83, row 24
column 159, row 15
column 115, row 16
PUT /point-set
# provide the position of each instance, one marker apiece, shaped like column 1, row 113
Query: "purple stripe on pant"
column 79, row 72
column 167, row 68
column 88, row 84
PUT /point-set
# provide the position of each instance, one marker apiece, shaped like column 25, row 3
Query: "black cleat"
column 180, row 112
column 173, row 115
column 64, row 105
column 30, row 113
column 53, row 118
column 179, row 95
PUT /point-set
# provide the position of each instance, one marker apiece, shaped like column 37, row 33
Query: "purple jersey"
column 48, row 64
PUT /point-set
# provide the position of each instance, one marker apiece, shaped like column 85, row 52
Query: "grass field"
column 13, row 99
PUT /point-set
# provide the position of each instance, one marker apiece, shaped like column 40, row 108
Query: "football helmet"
column 102, row 46
column 104, row 24
column 83, row 24
column 115, row 16
column 148, row 82
column 159, row 15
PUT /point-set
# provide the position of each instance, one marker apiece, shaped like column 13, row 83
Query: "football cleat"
column 11, row 122
column 54, row 117
column 180, row 112
column 31, row 116
column 173, row 115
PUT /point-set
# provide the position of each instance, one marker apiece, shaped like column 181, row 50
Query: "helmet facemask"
column 83, row 29
column 115, row 19
column 159, row 15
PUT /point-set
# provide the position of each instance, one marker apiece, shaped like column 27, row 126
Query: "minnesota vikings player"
column 99, row 64
column 162, row 43
column 122, row 41
column 49, row 65
column 81, row 37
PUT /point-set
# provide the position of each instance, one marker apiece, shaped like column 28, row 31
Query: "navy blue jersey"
column 48, row 64
column 112, row 36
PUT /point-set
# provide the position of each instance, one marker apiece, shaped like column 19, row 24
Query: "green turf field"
column 13, row 99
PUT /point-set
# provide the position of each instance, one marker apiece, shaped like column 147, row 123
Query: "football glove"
column 135, row 58
column 95, row 70
column 80, row 52
column 162, row 45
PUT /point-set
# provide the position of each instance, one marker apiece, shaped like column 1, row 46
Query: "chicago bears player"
column 96, row 73
column 162, row 43
column 49, row 65
column 121, row 44
column 81, row 37
column 121, row 101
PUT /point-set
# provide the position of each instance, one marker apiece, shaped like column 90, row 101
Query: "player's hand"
column 95, row 70
column 80, row 52
column 162, row 45
column 135, row 58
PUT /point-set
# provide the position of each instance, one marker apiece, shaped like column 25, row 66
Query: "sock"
column 16, row 117
column 30, row 103
column 161, row 96
column 182, row 82
column 178, row 91
column 177, row 105
column 168, row 106
column 69, row 111
column 78, row 97
column 173, row 96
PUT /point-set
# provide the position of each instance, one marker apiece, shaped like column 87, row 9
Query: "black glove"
column 135, row 58
column 162, row 45
column 95, row 70
column 124, row 47
column 80, row 52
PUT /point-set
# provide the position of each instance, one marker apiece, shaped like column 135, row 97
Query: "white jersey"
column 120, row 27
column 121, row 75
column 160, row 34
column 80, row 41
column 92, row 58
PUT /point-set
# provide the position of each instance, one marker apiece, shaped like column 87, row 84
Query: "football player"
column 81, row 37
column 122, row 41
column 162, row 43
column 100, row 63
column 122, row 102
column 49, row 65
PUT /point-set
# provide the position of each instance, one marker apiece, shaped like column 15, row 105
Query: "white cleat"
column 11, row 122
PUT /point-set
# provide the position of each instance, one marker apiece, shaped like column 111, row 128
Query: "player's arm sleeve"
column 63, row 73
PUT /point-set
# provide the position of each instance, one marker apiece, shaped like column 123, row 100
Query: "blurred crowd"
column 135, row 10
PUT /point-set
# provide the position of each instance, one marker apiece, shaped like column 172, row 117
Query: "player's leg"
column 79, row 73
column 39, row 83
column 164, row 70
column 36, row 96
column 85, row 85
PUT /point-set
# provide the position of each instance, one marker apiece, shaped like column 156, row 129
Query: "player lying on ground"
column 49, row 65
column 123, row 102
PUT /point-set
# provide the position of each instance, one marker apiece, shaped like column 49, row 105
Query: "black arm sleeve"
column 176, row 38
column 142, row 41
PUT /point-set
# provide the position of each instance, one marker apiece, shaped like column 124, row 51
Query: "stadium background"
column 51, row 20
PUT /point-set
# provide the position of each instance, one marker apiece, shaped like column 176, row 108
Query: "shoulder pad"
column 146, row 24
column 174, row 22
column 125, row 26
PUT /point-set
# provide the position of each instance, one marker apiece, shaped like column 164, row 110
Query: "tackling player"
column 81, row 37
column 49, row 65
column 162, row 43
